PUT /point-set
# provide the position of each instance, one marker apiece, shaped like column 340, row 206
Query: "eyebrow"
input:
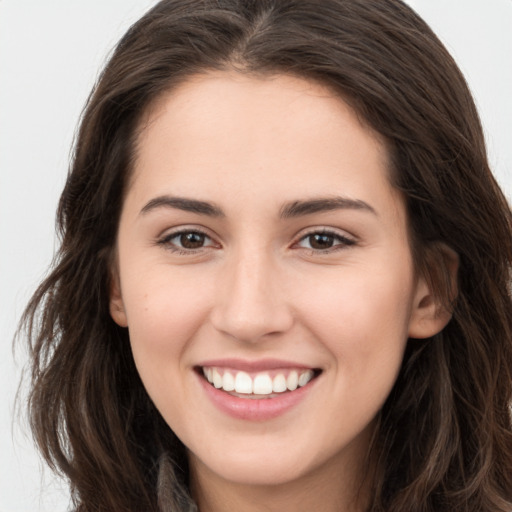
column 289, row 210
column 308, row 207
column 185, row 204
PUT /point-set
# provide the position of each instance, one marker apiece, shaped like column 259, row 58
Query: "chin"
column 252, row 468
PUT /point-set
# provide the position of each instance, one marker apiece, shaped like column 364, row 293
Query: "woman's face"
column 262, row 247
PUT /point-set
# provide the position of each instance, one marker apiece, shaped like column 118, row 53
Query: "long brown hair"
column 444, row 437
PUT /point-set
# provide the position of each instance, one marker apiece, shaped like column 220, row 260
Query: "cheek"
column 164, row 313
column 364, row 328
column 164, row 317
column 362, row 319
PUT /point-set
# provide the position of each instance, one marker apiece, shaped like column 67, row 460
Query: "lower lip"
column 261, row 409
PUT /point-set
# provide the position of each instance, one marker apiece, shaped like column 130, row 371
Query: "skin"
column 257, row 289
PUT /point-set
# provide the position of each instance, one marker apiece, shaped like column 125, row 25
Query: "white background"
column 50, row 54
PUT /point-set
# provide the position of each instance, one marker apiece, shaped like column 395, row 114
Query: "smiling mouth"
column 258, row 385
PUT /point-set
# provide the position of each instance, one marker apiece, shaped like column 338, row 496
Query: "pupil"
column 321, row 241
column 192, row 240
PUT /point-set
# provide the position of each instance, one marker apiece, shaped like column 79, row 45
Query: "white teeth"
column 243, row 383
column 217, row 378
column 305, row 377
column 292, row 381
column 228, row 382
column 260, row 384
column 279, row 383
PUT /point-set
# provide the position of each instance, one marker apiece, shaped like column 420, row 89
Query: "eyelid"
column 346, row 239
column 343, row 238
column 165, row 239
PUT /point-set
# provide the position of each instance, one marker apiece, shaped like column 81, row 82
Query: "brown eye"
column 325, row 241
column 192, row 240
column 319, row 241
column 186, row 240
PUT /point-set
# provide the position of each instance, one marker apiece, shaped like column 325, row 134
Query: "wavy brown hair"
column 444, row 436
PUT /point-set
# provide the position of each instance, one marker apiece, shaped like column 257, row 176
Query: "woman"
column 284, row 273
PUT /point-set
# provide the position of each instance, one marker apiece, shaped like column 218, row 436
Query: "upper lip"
column 253, row 366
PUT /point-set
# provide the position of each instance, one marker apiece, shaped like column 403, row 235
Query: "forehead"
column 235, row 97
column 275, row 135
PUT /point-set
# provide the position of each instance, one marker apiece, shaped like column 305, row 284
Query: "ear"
column 436, row 291
column 116, row 306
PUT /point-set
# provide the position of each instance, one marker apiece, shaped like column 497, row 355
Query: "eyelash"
column 166, row 241
column 343, row 241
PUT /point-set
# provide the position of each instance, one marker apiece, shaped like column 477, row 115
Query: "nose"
column 251, row 303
